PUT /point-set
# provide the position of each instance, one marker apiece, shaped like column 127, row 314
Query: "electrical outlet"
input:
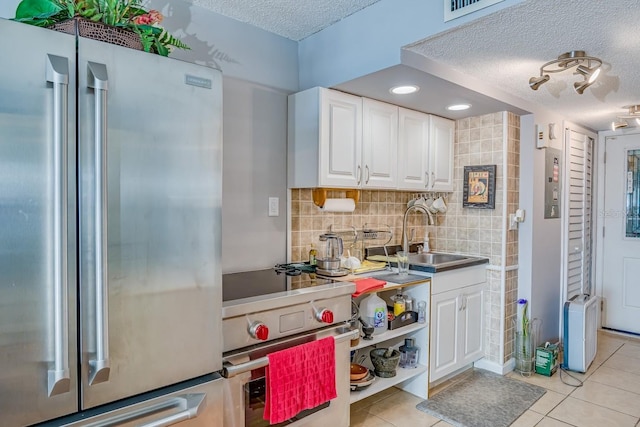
column 274, row 209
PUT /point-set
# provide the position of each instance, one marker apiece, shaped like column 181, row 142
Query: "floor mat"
column 482, row 399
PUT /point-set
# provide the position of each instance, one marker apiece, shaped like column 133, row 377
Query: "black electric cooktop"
column 263, row 282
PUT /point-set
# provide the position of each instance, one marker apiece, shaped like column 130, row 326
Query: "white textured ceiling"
column 293, row 19
column 508, row 47
column 503, row 49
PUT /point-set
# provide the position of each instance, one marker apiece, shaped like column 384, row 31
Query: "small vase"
column 524, row 342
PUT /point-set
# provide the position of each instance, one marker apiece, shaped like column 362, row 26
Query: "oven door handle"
column 230, row 371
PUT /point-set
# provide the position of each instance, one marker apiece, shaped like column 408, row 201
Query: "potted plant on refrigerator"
column 123, row 22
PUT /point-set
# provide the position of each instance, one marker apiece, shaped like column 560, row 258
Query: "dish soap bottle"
column 373, row 310
column 313, row 254
column 409, row 354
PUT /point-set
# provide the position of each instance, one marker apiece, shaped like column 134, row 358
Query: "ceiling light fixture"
column 404, row 90
column 619, row 124
column 458, row 107
column 623, row 121
column 587, row 66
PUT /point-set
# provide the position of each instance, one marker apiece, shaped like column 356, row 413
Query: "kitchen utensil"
column 358, row 372
column 367, row 330
column 439, row 205
column 385, row 366
column 363, row 383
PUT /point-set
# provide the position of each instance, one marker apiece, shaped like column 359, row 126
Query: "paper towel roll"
column 339, row 205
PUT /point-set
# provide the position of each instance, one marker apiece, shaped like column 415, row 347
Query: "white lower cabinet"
column 457, row 321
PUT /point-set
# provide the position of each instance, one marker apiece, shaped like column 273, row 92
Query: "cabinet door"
column 472, row 327
column 379, row 144
column 340, row 140
column 441, row 154
column 413, row 150
column 444, row 349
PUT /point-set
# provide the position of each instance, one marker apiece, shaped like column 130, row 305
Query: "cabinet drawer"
column 456, row 279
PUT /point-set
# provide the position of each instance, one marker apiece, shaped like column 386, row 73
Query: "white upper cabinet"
column 413, row 150
column 425, row 153
column 379, row 144
column 441, row 154
column 337, row 140
column 324, row 139
column 341, row 140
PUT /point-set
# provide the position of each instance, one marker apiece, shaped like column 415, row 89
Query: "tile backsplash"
column 376, row 209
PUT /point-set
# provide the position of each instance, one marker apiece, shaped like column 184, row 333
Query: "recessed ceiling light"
column 458, row 107
column 404, row 90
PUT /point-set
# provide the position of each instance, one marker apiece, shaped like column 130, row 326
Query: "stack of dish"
column 361, row 377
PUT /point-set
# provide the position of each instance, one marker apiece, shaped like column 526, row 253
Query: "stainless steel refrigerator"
column 110, row 207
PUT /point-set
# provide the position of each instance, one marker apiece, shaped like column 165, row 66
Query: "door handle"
column 190, row 406
column 433, row 179
column 99, row 367
column 193, row 404
column 359, row 173
column 426, row 179
column 367, row 170
column 57, row 72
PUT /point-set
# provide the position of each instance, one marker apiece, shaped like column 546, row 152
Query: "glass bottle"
column 398, row 303
column 409, row 354
column 313, row 254
column 422, row 311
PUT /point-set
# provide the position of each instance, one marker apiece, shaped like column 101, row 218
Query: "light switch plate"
column 274, row 209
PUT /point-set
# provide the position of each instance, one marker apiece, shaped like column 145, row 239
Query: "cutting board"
column 382, row 258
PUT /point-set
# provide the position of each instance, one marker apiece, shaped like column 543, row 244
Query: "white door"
column 577, row 220
column 413, row 150
column 444, row 334
column 441, row 154
column 379, row 144
column 621, row 270
column 472, row 324
column 340, row 140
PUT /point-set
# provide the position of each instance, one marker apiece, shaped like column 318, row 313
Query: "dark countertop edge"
column 434, row 269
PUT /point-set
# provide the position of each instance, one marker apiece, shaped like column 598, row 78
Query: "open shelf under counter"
column 390, row 334
column 384, row 383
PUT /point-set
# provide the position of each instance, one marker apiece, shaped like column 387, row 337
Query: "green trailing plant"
column 128, row 14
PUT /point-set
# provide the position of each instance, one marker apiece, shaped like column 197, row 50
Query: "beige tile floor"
column 609, row 397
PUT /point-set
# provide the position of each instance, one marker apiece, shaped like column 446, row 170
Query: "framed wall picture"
column 479, row 187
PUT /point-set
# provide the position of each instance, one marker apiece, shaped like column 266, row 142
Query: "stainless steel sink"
column 435, row 258
column 438, row 260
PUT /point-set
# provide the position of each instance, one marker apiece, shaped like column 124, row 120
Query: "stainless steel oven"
column 294, row 311
column 244, row 387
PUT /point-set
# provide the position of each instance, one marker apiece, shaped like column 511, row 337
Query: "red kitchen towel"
column 299, row 378
column 363, row 285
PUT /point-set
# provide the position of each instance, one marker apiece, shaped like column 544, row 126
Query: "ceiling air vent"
column 456, row 8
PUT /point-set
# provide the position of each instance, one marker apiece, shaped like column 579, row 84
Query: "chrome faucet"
column 405, row 239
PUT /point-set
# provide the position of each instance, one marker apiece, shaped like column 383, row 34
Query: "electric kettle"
column 332, row 252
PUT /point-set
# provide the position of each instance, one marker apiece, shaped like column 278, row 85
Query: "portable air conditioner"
column 580, row 332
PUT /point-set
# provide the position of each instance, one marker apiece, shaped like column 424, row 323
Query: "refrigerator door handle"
column 99, row 368
column 190, row 406
column 57, row 72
